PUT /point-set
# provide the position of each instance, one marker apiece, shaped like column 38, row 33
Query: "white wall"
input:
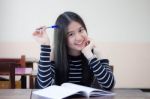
column 107, row 20
column 121, row 29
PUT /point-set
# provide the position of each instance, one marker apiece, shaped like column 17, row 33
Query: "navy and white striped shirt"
column 75, row 70
column 46, row 73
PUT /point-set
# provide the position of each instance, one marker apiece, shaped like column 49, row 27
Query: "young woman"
column 72, row 59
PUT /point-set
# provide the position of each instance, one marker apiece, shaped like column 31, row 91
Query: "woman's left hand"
column 87, row 50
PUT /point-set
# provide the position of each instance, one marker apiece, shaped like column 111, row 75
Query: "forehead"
column 73, row 26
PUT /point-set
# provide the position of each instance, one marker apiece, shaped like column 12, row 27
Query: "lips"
column 80, row 44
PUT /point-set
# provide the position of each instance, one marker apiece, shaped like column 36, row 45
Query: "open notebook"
column 69, row 89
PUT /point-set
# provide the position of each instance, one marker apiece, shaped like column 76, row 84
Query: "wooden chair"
column 8, row 69
column 19, row 62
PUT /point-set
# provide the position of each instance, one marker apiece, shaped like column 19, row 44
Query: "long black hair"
column 61, row 50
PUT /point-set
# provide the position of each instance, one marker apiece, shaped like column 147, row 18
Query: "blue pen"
column 53, row 26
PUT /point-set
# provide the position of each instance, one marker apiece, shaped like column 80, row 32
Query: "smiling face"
column 76, row 38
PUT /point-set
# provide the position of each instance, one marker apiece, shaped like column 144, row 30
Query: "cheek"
column 69, row 42
column 85, row 37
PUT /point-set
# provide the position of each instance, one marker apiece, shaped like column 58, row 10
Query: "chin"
column 79, row 48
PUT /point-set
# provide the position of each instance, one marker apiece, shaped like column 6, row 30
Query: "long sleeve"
column 103, row 73
column 45, row 76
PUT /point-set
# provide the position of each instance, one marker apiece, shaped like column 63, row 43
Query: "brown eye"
column 70, row 34
column 81, row 30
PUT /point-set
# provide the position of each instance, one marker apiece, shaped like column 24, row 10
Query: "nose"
column 78, row 37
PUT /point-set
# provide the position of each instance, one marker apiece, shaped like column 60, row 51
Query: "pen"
column 53, row 26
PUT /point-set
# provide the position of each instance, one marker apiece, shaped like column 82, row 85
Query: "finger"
column 35, row 33
column 91, row 45
column 91, row 41
column 41, row 32
column 87, row 41
column 44, row 28
column 40, row 27
column 38, row 31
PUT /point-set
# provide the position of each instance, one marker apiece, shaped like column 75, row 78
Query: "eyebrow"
column 78, row 29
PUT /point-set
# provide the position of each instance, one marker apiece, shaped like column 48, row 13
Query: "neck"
column 74, row 53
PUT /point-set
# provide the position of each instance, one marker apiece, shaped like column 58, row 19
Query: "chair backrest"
column 21, row 62
column 8, row 69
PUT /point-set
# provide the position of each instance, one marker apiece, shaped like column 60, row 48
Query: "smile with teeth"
column 79, row 44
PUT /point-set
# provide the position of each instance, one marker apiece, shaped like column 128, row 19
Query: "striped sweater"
column 46, row 73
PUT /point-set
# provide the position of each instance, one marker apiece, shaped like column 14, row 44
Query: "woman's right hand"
column 41, row 36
